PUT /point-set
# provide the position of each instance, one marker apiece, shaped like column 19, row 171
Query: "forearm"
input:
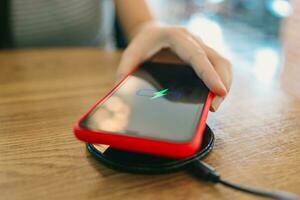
column 132, row 14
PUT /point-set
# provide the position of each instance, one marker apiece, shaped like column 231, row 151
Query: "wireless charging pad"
column 148, row 164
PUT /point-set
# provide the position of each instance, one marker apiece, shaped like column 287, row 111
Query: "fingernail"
column 216, row 103
column 223, row 87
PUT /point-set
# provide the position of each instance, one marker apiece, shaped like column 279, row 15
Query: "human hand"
column 213, row 69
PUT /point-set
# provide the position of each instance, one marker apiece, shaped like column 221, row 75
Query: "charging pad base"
column 148, row 164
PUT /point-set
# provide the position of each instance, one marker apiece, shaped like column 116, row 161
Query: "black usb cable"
column 207, row 173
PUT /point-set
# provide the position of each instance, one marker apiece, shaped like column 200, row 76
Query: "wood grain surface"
column 44, row 92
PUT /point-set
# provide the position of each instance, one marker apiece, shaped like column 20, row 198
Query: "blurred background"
column 260, row 37
column 246, row 31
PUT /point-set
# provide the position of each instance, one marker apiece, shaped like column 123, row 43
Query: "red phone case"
column 145, row 145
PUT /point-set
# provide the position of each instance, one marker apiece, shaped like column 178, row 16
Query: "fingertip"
column 211, row 109
column 216, row 103
column 219, row 89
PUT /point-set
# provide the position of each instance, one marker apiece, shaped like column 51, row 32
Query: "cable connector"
column 204, row 171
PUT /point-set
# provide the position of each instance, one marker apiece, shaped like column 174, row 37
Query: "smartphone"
column 158, row 109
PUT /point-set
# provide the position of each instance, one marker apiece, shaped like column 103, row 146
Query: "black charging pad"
column 148, row 164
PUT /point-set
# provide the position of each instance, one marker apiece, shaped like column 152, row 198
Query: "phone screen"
column 157, row 101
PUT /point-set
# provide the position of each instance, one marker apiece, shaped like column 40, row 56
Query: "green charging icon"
column 160, row 93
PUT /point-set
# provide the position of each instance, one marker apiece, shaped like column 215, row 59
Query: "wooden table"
column 44, row 92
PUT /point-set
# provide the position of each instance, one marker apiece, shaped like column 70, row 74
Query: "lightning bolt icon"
column 160, row 93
